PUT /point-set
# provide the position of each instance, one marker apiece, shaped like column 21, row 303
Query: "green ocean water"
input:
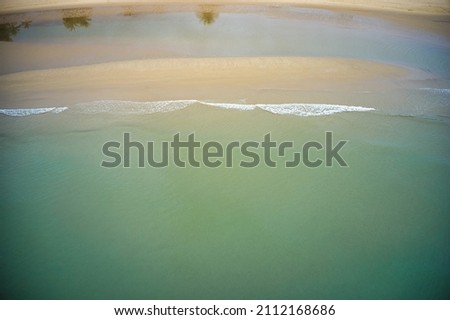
column 377, row 229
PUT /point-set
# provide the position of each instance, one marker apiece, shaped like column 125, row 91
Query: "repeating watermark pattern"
column 213, row 154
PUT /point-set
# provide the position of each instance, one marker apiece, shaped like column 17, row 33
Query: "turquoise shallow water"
column 375, row 230
column 378, row 229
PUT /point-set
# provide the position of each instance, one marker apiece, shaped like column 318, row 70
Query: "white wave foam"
column 310, row 110
column 236, row 106
column 134, row 107
column 298, row 109
column 31, row 111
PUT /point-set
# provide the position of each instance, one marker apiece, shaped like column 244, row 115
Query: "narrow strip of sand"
column 411, row 6
column 196, row 78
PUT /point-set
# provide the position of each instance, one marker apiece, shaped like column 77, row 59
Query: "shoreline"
column 430, row 7
column 34, row 77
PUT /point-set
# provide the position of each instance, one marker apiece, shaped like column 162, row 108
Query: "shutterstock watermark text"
column 187, row 151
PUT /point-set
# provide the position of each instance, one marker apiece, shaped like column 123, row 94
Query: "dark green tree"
column 9, row 30
column 76, row 18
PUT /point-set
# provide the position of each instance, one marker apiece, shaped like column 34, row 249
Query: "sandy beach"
column 411, row 6
column 167, row 79
column 39, row 73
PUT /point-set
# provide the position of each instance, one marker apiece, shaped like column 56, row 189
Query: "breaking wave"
column 134, row 107
column 297, row 109
column 31, row 111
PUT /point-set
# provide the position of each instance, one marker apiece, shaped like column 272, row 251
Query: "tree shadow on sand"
column 76, row 18
column 129, row 11
column 11, row 29
column 207, row 15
